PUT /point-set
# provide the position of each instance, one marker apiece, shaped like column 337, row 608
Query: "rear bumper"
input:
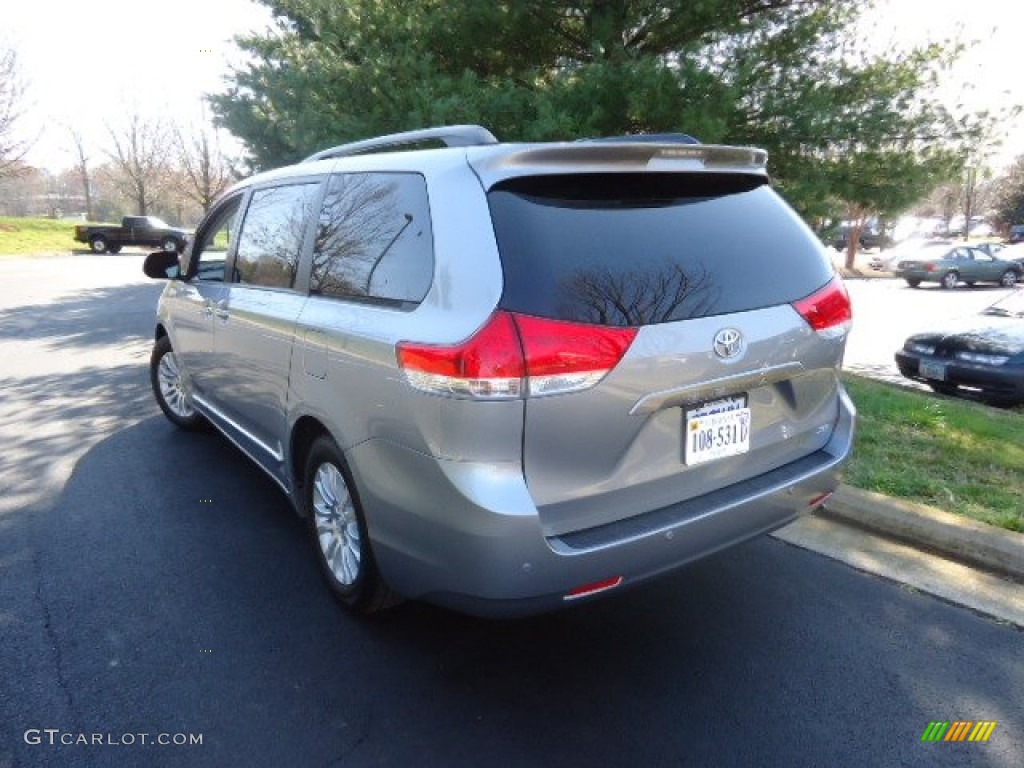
column 468, row 536
column 919, row 274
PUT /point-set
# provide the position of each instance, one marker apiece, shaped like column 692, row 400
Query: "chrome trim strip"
column 715, row 388
column 277, row 455
column 208, row 411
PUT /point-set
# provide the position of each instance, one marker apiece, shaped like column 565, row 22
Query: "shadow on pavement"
column 92, row 317
column 50, row 418
column 182, row 595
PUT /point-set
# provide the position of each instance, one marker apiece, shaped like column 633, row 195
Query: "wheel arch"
column 304, row 433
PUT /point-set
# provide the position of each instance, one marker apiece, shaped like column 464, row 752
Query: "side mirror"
column 161, row 265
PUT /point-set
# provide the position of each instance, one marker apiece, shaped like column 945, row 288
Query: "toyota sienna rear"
column 519, row 376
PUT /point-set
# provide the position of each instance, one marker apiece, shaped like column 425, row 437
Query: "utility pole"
column 969, row 202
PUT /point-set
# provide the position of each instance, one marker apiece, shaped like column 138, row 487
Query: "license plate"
column 936, row 371
column 715, row 430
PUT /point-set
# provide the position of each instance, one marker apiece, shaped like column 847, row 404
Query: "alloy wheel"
column 337, row 528
column 171, row 387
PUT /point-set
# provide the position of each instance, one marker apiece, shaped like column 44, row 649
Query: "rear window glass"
column 638, row 249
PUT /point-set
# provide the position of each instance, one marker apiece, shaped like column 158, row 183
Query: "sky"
column 87, row 61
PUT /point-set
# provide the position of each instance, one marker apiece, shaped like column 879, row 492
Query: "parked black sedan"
column 981, row 358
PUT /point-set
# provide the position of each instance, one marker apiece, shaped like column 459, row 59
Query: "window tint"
column 374, row 239
column 635, row 249
column 271, row 238
column 216, row 235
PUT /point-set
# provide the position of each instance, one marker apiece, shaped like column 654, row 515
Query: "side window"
column 214, row 239
column 270, row 241
column 374, row 239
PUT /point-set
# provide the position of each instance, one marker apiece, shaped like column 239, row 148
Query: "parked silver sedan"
column 950, row 265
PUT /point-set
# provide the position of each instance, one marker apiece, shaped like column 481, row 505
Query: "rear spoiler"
column 494, row 164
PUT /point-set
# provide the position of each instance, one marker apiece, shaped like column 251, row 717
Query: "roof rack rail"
column 449, row 135
column 645, row 138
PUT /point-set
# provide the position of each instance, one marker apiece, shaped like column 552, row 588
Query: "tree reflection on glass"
column 359, row 224
column 637, row 297
column 271, row 238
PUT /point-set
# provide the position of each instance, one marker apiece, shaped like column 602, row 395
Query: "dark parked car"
column 950, row 265
column 981, row 357
column 868, row 239
column 134, row 230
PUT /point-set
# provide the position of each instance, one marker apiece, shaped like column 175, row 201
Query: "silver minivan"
column 508, row 377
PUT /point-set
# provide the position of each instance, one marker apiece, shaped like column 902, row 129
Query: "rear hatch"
column 717, row 318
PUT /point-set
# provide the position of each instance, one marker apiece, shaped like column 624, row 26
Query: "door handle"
column 221, row 310
column 207, row 310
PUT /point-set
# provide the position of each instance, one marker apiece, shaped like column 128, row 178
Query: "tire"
column 913, row 282
column 98, row 244
column 114, row 248
column 1009, row 279
column 165, row 378
column 950, row 280
column 337, row 528
column 169, row 244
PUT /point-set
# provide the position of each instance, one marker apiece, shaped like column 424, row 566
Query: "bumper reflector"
column 593, row 589
column 818, row 500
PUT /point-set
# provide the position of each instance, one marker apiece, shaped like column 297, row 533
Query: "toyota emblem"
column 728, row 343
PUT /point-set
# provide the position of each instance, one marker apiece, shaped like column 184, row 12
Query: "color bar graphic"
column 982, row 731
column 958, row 730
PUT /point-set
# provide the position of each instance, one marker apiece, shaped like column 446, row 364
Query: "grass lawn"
column 952, row 454
column 19, row 236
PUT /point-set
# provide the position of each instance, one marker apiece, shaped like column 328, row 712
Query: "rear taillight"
column 827, row 310
column 567, row 357
column 488, row 365
column 514, row 356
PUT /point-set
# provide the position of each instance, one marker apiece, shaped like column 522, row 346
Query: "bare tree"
column 206, row 171
column 82, row 169
column 12, row 93
column 142, row 158
column 639, row 296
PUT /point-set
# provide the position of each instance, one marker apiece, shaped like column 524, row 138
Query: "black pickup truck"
column 134, row 230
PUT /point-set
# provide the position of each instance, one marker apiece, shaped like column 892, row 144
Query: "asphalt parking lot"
column 154, row 582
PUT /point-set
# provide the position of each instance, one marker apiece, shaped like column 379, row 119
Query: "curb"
column 922, row 526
